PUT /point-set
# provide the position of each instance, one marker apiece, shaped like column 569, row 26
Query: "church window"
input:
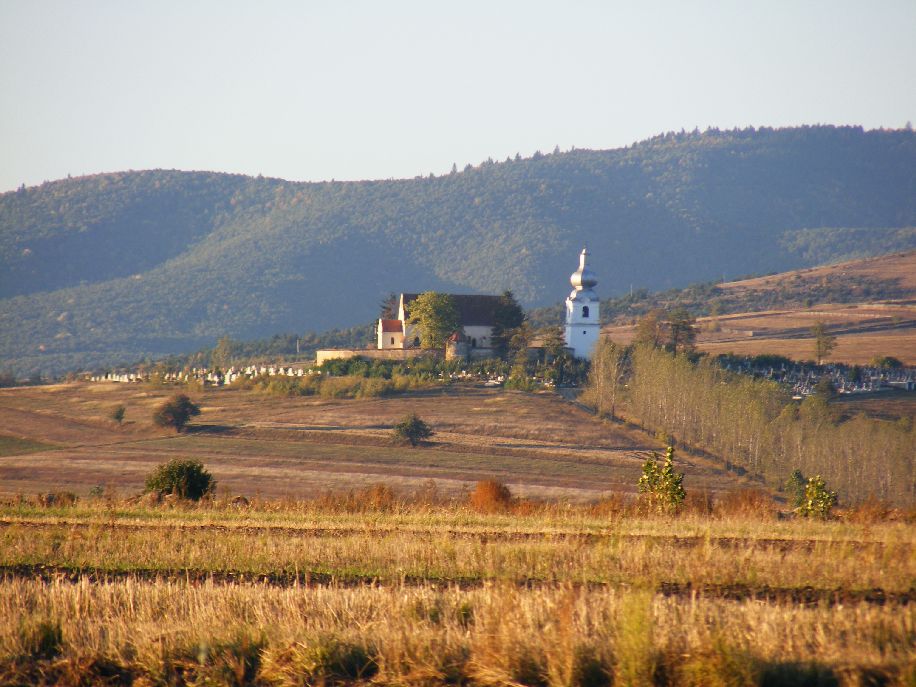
column 392, row 341
column 584, row 311
column 583, row 332
column 416, row 341
column 473, row 343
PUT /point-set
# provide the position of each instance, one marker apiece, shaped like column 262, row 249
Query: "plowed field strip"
column 730, row 592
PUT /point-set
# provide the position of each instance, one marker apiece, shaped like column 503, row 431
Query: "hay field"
column 272, row 446
column 408, row 594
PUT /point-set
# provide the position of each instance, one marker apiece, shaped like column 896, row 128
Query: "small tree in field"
column 818, row 501
column 412, row 430
column 824, row 342
column 795, row 485
column 117, row 413
column 661, row 486
column 186, row 479
column 176, row 412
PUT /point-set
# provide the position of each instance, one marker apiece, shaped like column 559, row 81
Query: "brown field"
column 863, row 331
column 261, row 444
column 899, row 267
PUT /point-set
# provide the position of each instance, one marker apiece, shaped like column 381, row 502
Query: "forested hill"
column 115, row 266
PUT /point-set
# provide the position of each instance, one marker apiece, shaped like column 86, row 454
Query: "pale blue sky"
column 357, row 90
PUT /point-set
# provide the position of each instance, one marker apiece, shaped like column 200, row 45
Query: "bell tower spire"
column 583, row 323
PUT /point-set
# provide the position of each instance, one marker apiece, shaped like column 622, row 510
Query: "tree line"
column 753, row 424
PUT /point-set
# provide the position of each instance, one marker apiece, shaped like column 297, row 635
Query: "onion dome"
column 583, row 280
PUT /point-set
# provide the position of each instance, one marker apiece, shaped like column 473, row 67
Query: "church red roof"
column 391, row 326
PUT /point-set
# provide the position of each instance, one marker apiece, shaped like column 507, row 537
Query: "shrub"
column 186, row 479
column 490, row 496
column 176, row 412
column 661, row 486
column 888, row 362
column 412, row 430
column 818, row 500
column 117, row 413
column 795, row 486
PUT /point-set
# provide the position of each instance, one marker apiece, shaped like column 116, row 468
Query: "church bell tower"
column 583, row 324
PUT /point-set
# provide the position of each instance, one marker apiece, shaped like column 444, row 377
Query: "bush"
column 795, row 486
column 412, row 430
column 176, row 412
column 186, row 479
column 117, row 413
column 661, row 486
column 490, row 496
column 818, row 499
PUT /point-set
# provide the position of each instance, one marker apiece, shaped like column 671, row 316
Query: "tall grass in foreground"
column 165, row 633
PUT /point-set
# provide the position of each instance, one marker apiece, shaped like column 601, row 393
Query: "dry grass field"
column 60, row 438
column 863, row 330
column 285, row 593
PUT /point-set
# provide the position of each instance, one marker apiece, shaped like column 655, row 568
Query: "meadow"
column 424, row 590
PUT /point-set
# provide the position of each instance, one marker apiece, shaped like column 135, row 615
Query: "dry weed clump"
column 746, row 502
column 490, row 496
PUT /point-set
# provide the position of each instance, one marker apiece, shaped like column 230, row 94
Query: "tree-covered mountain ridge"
column 116, row 266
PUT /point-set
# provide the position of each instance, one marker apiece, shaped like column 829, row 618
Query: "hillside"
column 116, row 266
column 869, row 305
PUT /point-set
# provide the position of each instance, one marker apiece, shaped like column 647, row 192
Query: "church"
column 477, row 317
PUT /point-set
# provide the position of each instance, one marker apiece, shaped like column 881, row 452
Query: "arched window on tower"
column 416, row 342
column 584, row 311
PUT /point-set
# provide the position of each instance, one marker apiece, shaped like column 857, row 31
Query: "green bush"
column 412, row 430
column 795, row 486
column 661, row 486
column 186, row 479
column 176, row 412
column 818, row 500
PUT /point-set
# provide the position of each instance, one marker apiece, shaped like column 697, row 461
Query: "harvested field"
column 863, row 331
column 261, row 444
column 284, row 593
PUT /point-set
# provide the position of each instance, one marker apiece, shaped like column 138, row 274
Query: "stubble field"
column 421, row 594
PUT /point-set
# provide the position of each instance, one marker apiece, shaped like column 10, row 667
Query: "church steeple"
column 583, row 323
column 583, row 278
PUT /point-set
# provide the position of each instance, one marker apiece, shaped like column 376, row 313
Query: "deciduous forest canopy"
column 116, row 266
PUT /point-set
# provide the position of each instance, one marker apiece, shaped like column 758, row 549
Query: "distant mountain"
column 116, row 266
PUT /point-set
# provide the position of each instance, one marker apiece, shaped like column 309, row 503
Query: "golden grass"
column 173, row 633
column 426, row 593
column 454, row 544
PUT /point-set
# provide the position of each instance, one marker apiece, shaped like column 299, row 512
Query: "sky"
column 342, row 89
